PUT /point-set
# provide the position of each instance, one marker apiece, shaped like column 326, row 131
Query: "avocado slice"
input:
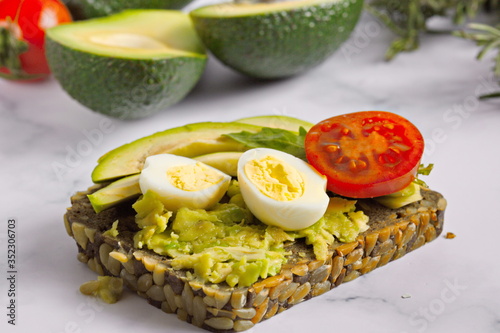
column 189, row 140
column 128, row 65
column 119, row 191
column 127, row 188
column 406, row 196
column 275, row 39
column 203, row 141
column 225, row 161
column 284, row 122
column 86, row 9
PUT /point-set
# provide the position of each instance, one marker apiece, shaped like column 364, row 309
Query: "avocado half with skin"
column 276, row 39
column 128, row 65
column 86, row 9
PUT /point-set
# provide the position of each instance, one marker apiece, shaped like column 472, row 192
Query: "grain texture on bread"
column 392, row 234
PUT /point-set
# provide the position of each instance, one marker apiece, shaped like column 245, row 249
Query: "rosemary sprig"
column 408, row 18
column 488, row 38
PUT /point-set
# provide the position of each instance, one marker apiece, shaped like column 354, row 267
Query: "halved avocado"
column 129, row 65
column 86, row 9
column 275, row 39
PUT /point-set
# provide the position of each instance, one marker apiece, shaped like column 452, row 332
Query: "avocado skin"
column 123, row 88
column 86, row 9
column 279, row 44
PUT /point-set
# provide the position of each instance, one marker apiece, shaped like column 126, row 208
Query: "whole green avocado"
column 128, row 65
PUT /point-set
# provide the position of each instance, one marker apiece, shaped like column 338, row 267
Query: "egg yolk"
column 275, row 178
column 193, row 177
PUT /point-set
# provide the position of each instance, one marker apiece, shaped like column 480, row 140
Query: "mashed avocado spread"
column 227, row 244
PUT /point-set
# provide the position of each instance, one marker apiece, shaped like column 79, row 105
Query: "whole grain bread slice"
column 220, row 308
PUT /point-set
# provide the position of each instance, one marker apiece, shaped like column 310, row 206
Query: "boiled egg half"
column 183, row 182
column 281, row 189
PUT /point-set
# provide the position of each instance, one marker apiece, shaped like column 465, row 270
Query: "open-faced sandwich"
column 227, row 224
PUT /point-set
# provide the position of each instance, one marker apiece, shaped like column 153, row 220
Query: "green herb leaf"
column 274, row 138
column 408, row 19
column 424, row 171
column 488, row 38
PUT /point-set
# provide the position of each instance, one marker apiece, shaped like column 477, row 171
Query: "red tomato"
column 22, row 33
column 365, row 154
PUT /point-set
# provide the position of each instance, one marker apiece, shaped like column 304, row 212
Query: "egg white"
column 154, row 178
column 294, row 214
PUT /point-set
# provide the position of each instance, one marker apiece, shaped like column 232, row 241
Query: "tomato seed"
column 332, row 148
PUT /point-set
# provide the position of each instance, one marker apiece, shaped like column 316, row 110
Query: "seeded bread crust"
column 220, row 308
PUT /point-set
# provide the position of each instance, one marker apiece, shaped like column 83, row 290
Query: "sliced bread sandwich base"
column 220, row 308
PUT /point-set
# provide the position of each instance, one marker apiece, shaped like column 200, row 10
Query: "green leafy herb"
column 274, row 138
column 408, row 18
column 424, row 171
column 488, row 38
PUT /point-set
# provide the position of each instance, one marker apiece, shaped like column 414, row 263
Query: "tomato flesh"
column 365, row 154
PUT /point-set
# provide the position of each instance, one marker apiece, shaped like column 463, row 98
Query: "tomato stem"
column 10, row 49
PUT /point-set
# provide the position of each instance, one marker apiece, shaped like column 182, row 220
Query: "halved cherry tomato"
column 22, row 36
column 365, row 154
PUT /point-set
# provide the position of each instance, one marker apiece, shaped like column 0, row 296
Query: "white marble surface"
column 49, row 145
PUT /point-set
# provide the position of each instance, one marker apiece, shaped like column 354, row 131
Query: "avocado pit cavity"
column 128, row 40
